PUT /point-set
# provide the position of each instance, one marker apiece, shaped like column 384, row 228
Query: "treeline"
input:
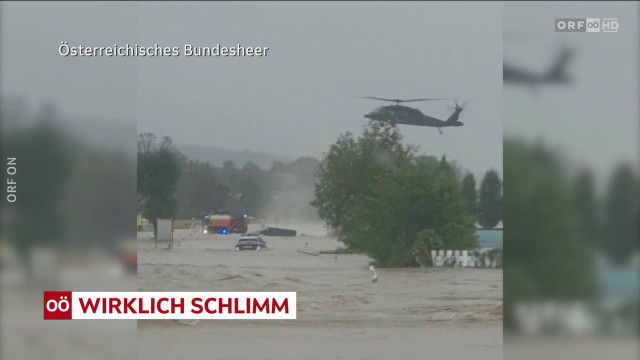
column 71, row 193
column 608, row 222
column 484, row 207
column 248, row 189
column 172, row 186
column 390, row 203
column 557, row 226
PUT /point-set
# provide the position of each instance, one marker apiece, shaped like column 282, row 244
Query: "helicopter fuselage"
column 399, row 114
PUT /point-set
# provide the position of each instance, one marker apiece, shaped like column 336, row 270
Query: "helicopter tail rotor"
column 458, row 104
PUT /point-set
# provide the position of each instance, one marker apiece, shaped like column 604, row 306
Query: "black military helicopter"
column 400, row 114
column 556, row 73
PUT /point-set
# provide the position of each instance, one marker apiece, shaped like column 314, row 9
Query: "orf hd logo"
column 590, row 25
column 57, row 305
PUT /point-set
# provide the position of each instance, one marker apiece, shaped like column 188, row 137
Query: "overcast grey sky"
column 594, row 121
column 32, row 68
column 323, row 58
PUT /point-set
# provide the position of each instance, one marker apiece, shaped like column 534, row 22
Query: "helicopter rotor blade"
column 378, row 98
column 397, row 101
column 424, row 99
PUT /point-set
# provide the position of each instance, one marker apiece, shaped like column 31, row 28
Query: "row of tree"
column 486, row 208
column 173, row 186
column 383, row 198
column 390, row 203
column 71, row 193
column 556, row 226
column 608, row 223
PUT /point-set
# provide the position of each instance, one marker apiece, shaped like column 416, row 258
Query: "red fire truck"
column 226, row 224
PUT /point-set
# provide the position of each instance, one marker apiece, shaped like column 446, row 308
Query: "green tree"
column 586, row 206
column 490, row 204
column 248, row 190
column 251, row 189
column 544, row 258
column 389, row 203
column 44, row 162
column 351, row 165
column 159, row 166
column 72, row 194
column 470, row 195
column 425, row 241
column 102, row 204
column 620, row 228
column 417, row 196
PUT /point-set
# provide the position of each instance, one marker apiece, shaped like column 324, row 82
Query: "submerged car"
column 251, row 242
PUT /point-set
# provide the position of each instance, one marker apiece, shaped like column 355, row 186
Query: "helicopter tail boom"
column 558, row 69
column 452, row 120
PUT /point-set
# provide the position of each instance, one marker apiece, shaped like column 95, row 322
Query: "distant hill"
column 217, row 156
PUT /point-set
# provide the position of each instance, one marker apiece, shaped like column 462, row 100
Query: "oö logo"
column 57, row 305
